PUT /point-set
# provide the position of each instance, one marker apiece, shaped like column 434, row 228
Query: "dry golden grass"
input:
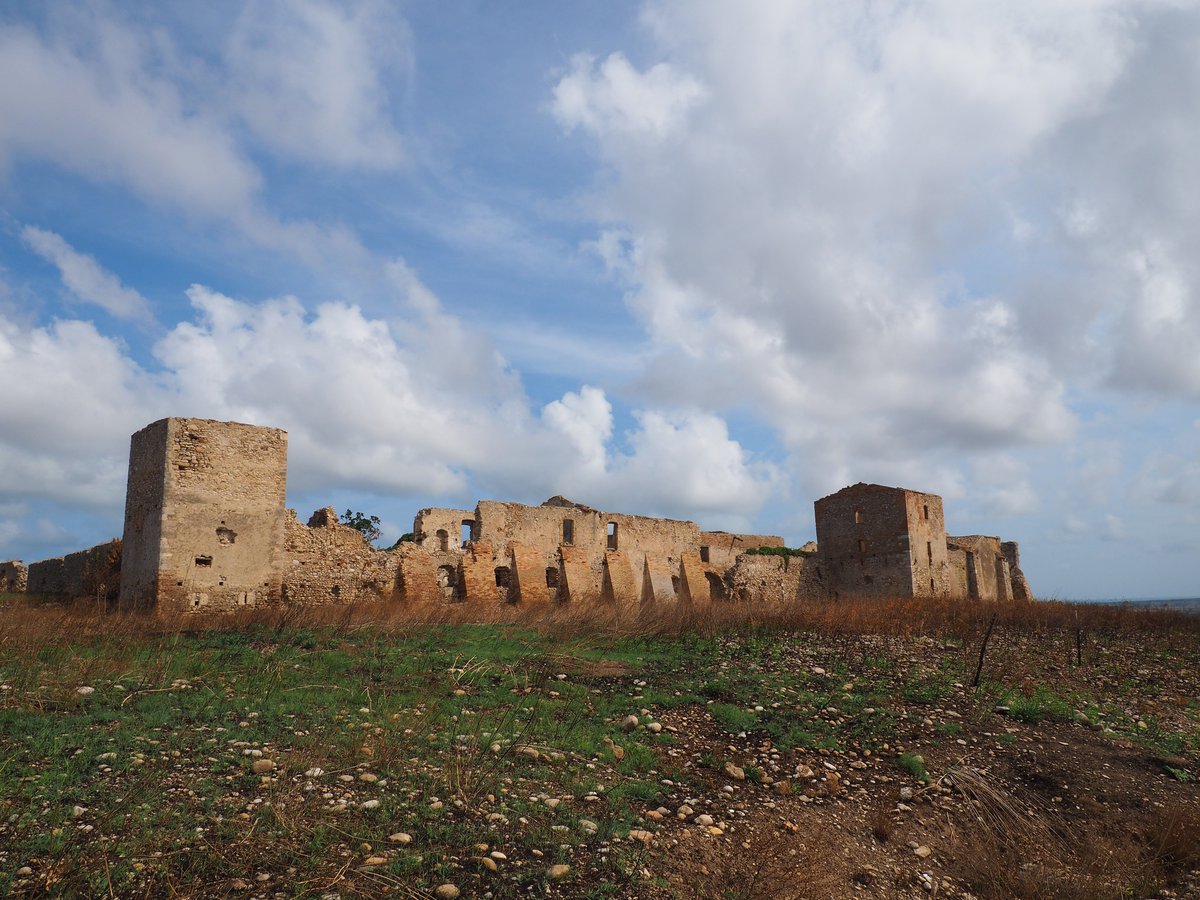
column 29, row 621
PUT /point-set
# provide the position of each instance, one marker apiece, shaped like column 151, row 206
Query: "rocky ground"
column 490, row 761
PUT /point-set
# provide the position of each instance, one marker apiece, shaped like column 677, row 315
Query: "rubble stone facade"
column 14, row 577
column 206, row 530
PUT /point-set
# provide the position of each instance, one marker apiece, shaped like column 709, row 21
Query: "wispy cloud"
column 86, row 278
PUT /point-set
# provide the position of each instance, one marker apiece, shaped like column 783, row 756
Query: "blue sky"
column 697, row 259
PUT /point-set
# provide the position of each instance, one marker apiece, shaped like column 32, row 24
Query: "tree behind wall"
column 367, row 526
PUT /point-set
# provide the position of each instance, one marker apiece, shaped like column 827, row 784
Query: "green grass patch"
column 914, row 765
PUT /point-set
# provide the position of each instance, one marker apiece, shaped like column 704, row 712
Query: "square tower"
column 204, row 516
column 884, row 541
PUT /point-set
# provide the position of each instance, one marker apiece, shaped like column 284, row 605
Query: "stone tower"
column 884, row 541
column 204, row 516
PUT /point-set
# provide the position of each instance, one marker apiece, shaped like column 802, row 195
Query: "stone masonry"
column 204, row 516
column 206, row 531
column 891, row 542
column 14, row 577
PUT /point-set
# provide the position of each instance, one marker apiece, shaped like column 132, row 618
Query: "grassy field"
column 812, row 752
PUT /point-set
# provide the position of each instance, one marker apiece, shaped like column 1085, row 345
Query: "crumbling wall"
column 927, row 539
column 620, row 589
column 982, row 555
column 211, row 537
column 1020, row 587
column 485, row 581
column 145, row 489
column 327, row 562
column 440, row 530
column 417, row 578
column 693, row 585
column 992, row 569
column 777, row 579
column 658, row 584
column 94, row 573
column 722, row 548
column 534, row 582
column 14, row 577
column 960, row 580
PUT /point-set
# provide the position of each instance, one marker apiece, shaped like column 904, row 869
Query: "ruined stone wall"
column 639, row 537
column 14, row 577
column 573, row 545
column 327, row 562
column 958, row 579
column 778, row 579
column 93, row 573
column 985, row 568
column 1020, row 587
column 441, row 529
column 721, row 548
column 417, row 576
column 144, row 493
column 220, row 517
column 931, row 575
column 206, row 530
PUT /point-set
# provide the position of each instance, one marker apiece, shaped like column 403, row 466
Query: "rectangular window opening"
column 704, row 554
column 612, row 535
column 204, row 560
column 926, row 512
column 468, row 532
column 929, row 550
column 858, row 517
column 568, row 531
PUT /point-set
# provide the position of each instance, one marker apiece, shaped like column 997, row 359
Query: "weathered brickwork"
column 206, row 530
column 14, row 577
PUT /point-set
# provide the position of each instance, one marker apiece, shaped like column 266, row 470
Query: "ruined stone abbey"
column 207, row 530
